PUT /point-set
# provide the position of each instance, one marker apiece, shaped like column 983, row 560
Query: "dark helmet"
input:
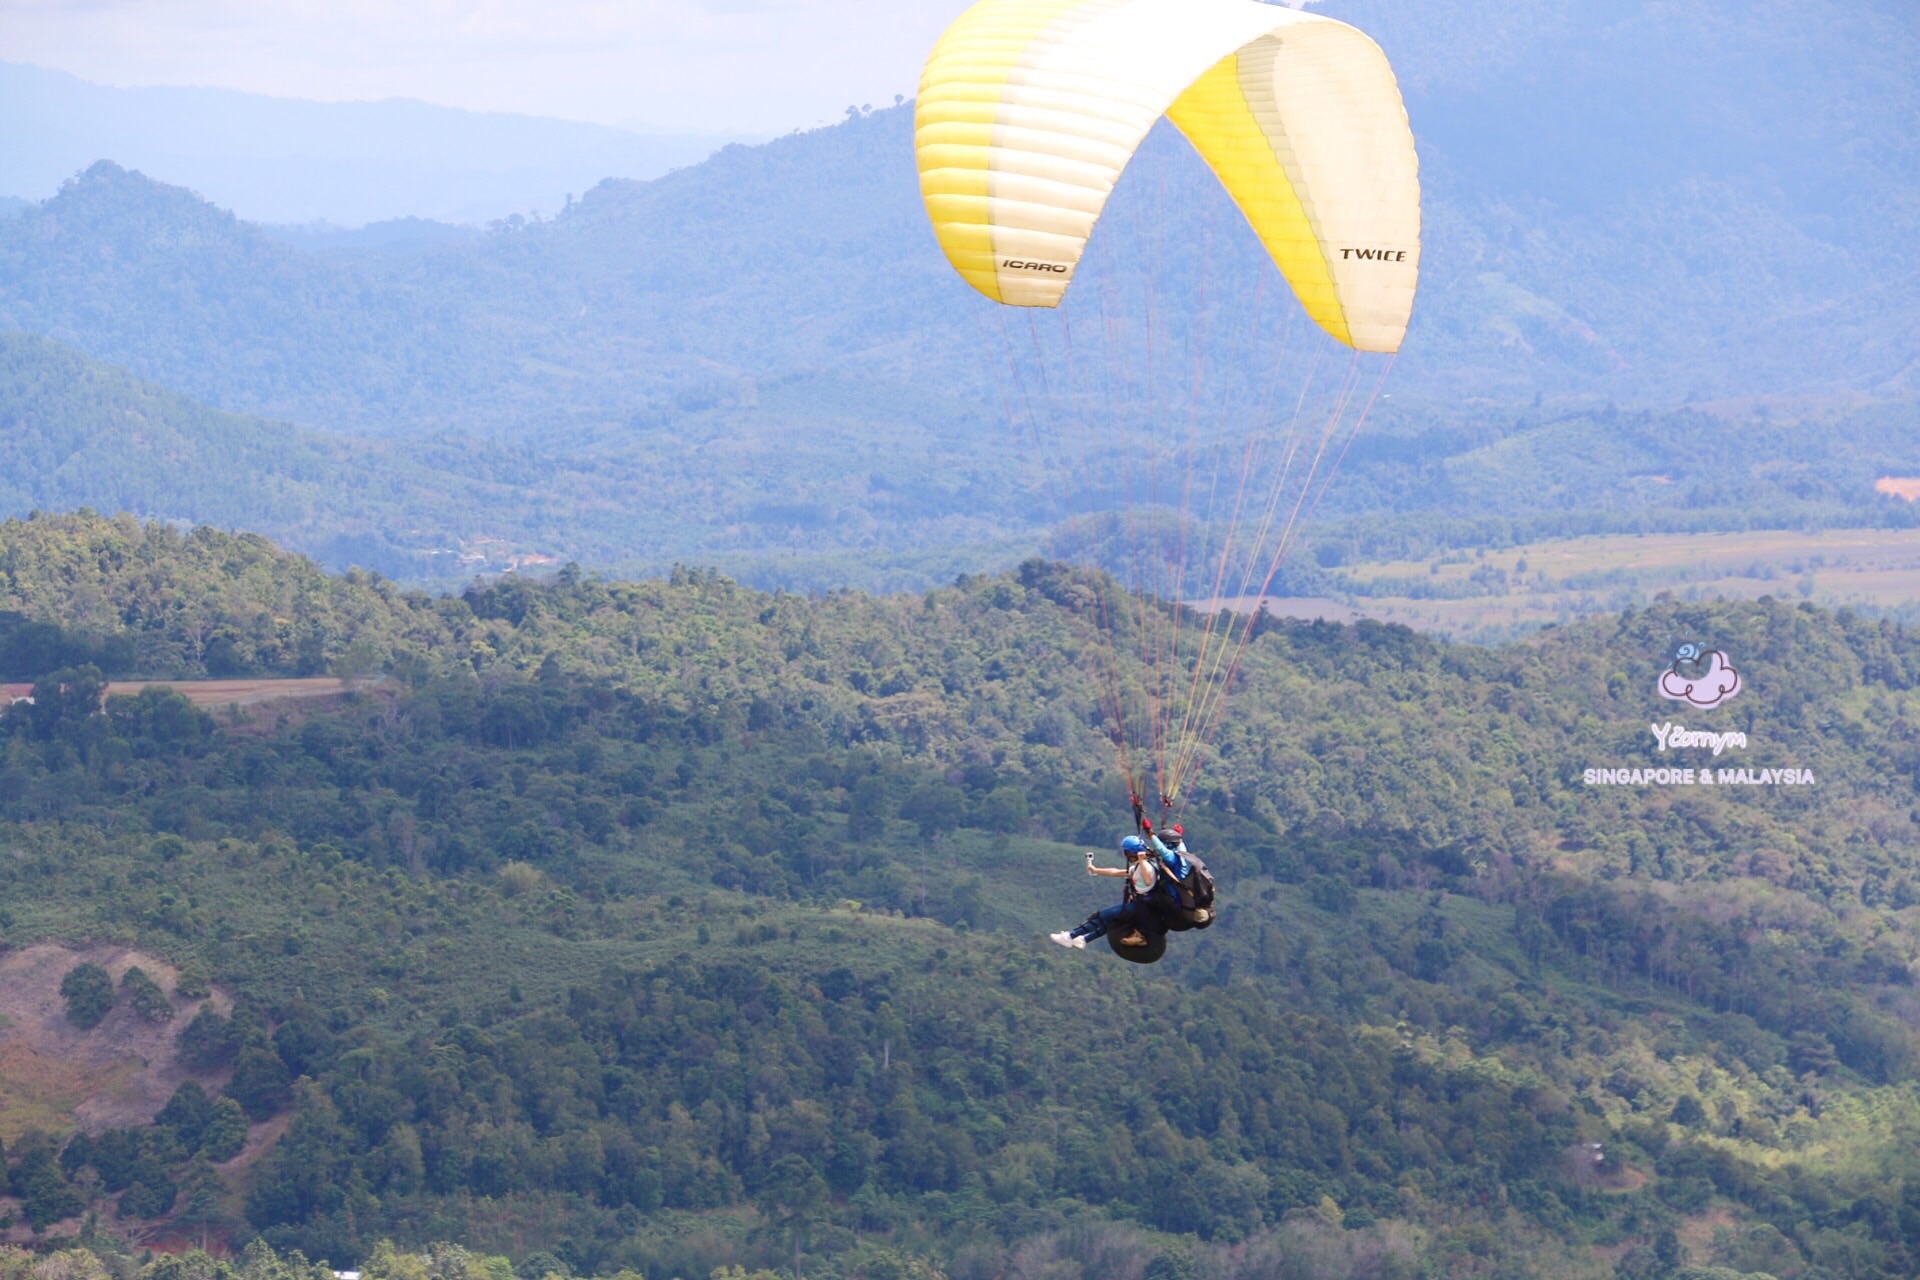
column 1179, row 836
column 1133, row 845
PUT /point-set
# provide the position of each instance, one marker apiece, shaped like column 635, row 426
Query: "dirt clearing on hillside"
column 56, row 1077
column 241, row 693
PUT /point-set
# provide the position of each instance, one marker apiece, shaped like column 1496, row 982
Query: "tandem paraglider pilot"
column 1167, row 889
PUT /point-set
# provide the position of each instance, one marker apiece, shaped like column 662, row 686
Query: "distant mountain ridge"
column 1718, row 193
column 1625, row 206
column 286, row 160
column 395, row 235
column 1622, row 204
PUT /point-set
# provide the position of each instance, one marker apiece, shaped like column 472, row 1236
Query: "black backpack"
column 1192, row 896
column 1202, row 882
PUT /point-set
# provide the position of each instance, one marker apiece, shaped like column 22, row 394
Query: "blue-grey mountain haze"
column 1629, row 205
column 280, row 160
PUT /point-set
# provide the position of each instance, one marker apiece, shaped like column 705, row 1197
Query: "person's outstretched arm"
column 1170, row 858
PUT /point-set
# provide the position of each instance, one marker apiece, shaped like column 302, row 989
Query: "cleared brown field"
column 1906, row 487
column 242, row 693
column 53, row 1075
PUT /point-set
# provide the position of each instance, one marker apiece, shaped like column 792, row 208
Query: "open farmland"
column 1494, row 594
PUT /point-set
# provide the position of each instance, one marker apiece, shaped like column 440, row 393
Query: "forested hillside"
column 809, row 502
column 79, row 433
column 684, row 925
column 82, row 434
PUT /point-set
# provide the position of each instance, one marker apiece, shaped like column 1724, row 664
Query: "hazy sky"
column 698, row 66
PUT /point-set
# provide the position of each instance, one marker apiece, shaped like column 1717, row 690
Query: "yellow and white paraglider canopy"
column 1029, row 109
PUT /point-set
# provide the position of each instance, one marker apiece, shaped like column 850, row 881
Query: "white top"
column 1142, row 876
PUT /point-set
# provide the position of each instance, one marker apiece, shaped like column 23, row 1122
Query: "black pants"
column 1131, row 914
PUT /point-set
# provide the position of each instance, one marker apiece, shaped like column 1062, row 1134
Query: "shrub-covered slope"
column 700, row 925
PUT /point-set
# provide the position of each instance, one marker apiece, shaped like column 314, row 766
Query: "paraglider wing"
column 1028, row 110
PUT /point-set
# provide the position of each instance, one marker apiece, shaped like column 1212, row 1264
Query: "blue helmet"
column 1133, row 844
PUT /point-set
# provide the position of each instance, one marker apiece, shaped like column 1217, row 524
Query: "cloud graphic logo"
column 1700, row 679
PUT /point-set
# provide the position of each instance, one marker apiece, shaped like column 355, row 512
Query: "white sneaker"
column 1066, row 939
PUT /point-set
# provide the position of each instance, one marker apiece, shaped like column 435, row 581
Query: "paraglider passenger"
column 1133, row 913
